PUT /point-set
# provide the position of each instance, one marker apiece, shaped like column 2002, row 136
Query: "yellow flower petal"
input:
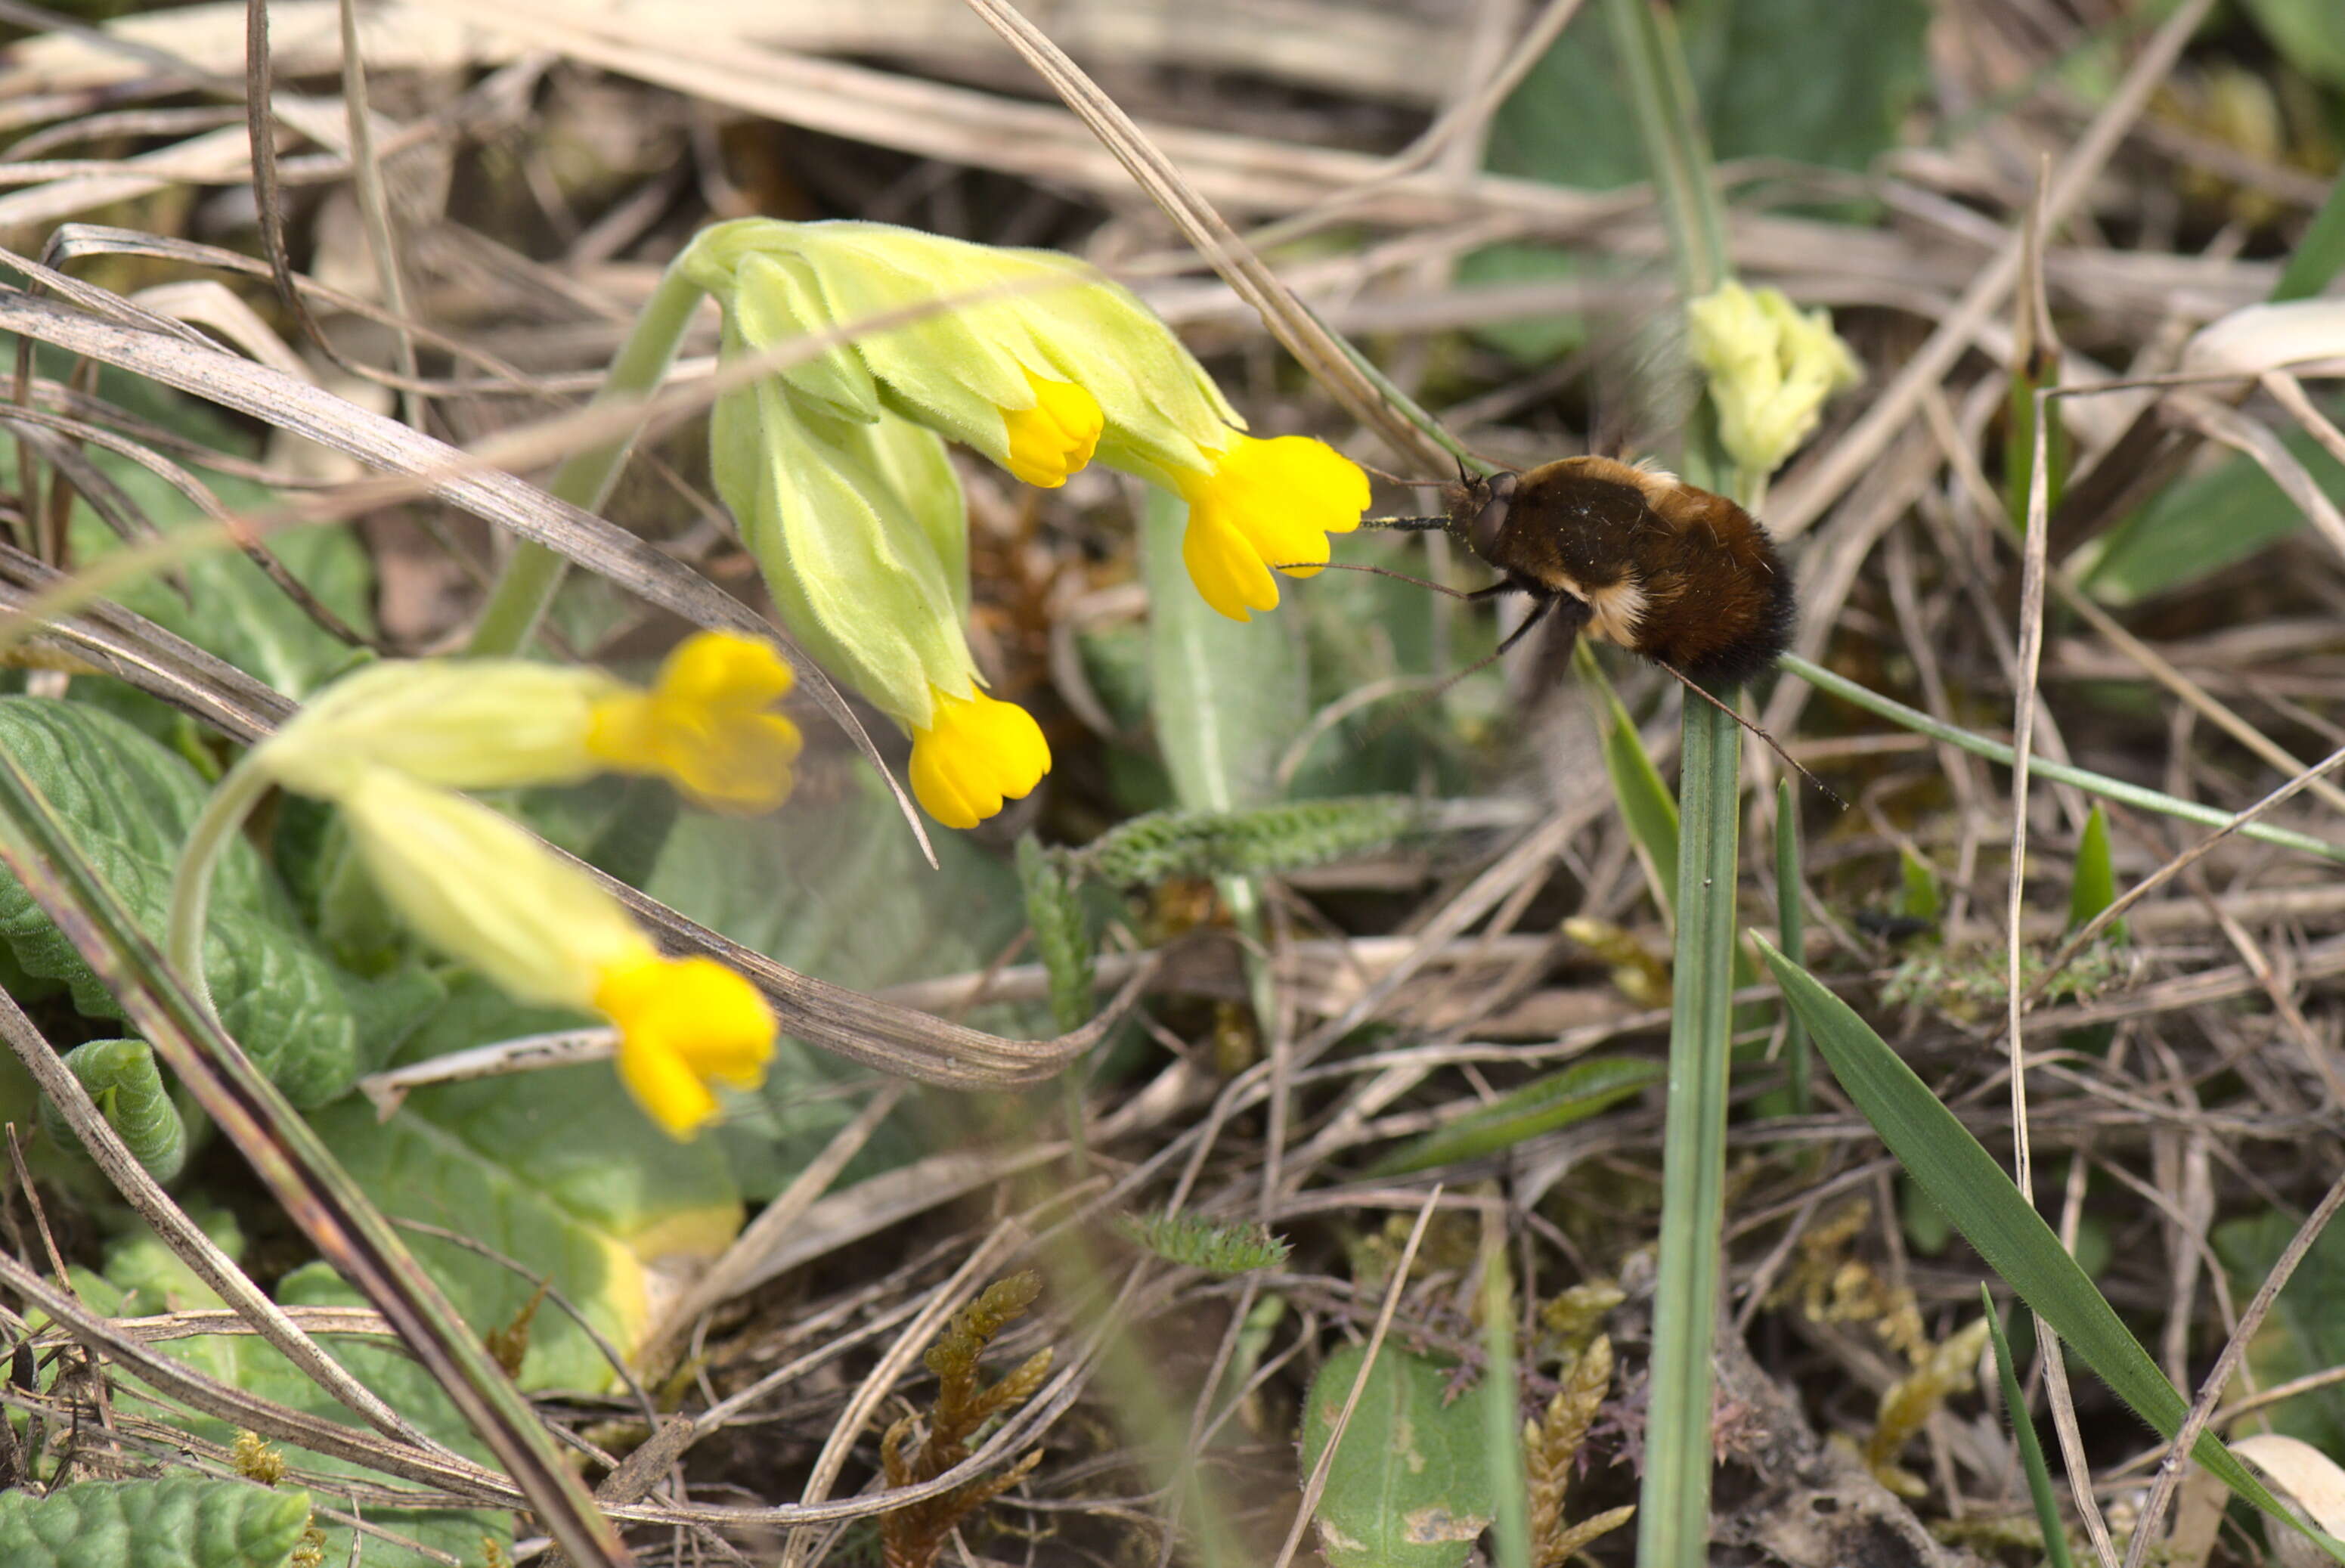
column 705, row 726
column 1056, row 437
column 1266, row 505
column 976, row 752
column 683, row 1022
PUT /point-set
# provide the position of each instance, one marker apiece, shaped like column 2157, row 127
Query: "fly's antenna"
column 1703, row 693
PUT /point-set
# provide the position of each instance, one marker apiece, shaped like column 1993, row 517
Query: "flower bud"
column 1771, row 369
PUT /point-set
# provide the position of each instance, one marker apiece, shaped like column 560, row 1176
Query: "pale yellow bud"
column 1770, row 370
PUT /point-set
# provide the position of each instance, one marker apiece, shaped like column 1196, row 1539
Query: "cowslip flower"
column 860, row 530
column 479, row 888
column 1771, row 369
column 705, row 724
column 1048, row 367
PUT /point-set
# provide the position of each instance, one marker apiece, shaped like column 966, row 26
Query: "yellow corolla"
column 684, row 1022
column 707, row 724
column 975, row 753
column 1265, row 504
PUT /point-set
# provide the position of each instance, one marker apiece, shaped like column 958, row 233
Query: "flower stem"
column 215, row 828
column 532, row 573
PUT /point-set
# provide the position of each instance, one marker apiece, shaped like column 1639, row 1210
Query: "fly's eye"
column 1482, row 532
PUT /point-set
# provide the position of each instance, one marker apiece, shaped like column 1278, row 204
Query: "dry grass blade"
column 1797, row 506
column 1289, row 321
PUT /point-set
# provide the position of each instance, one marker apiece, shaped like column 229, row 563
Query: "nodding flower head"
column 480, row 888
column 1265, row 504
column 1032, row 358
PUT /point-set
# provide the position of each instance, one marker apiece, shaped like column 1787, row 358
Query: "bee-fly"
column 1632, row 557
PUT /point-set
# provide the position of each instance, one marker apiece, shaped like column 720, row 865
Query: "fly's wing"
column 1643, row 386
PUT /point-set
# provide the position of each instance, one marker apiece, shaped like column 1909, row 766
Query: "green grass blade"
column 2100, row 784
column 2094, row 886
column 1677, row 145
column 1646, row 804
column 1558, row 1100
column 2320, row 255
column 1675, row 1506
column 1967, row 1184
column 2031, row 1451
column 1511, row 1523
column 1791, row 930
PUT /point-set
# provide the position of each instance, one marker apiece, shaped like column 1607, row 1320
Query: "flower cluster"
column 834, row 465
column 1771, row 370
column 391, row 746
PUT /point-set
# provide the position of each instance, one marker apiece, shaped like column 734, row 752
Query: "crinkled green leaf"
column 142, row 1276
column 559, row 1171
column 176, row 1521
column 1557, row 1100
column 122, row 1076
column 228, row 606
column 128, row 803
column 1411, row 1485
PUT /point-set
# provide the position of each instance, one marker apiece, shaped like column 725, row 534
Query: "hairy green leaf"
column 223, row 602
column 1261, row 841
column 128, row 803
column 835, row 888
column 177, row 1522
column 142, row 1276
column 1410, row 1486
column 559, row 1171
column 122, row 1077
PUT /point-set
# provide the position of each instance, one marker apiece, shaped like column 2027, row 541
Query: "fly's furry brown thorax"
column 1633, row 556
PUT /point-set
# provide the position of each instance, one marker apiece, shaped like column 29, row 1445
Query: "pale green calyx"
column 861, row 535
column 981, row 370
column 475, row 724
column 1771, row 370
